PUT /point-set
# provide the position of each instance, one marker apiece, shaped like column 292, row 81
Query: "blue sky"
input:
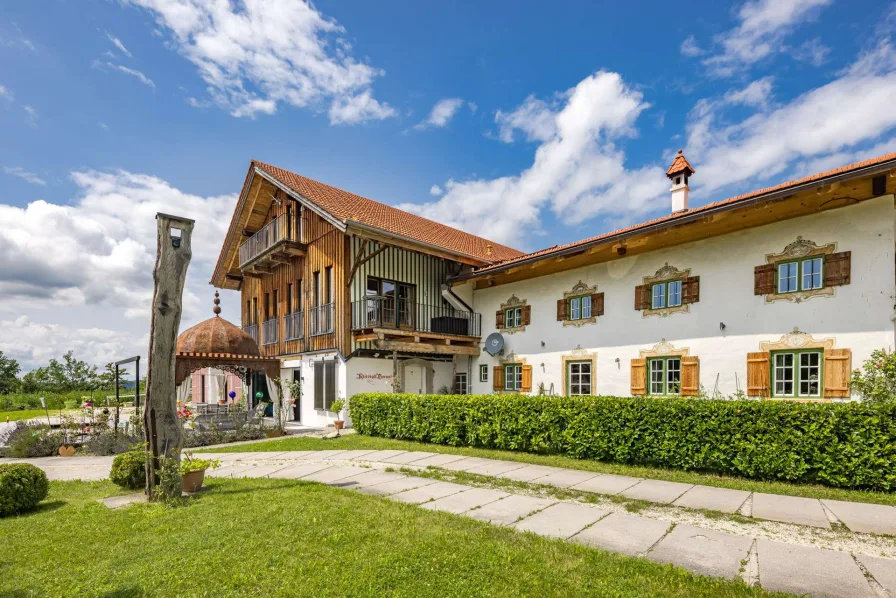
column 533, row 124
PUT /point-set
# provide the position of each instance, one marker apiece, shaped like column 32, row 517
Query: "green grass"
column 18, row 414
column 269, row 537
column 360, row 442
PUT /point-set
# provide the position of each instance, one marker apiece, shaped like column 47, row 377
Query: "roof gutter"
column 773, row 195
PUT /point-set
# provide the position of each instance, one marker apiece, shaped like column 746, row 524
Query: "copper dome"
column 216, row 335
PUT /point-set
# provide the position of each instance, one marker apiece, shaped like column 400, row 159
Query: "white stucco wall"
column 858, row 316
column 310, row 415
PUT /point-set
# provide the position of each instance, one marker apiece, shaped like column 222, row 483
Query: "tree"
column 9, row 371
column 69, row 374
column 877, row 383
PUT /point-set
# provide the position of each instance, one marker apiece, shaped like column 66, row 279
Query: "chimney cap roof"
column 680, row 165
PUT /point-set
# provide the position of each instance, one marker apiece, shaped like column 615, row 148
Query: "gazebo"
column 216, row 343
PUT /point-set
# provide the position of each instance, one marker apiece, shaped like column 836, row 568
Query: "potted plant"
column 336, row 408
column 192, row 471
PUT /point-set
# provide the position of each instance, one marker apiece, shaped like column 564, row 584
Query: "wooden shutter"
column 562, row 310
column 837, row 268
column 527, row 314
column 837, row 371
column 764, row 279
column 597, row 304
column 642, row 297
column 499, row 319
column 639, row 377
column 498, row 378
column 690, row 376
column 526, row 384
column 690, row 290
column 318, row 385
column 758, row 375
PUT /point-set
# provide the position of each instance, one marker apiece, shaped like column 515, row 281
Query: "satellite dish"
column 494, row 343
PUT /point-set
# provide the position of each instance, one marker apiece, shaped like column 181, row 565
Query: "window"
column 289, row 298
column 796, row 374
column 317, row 289
column 664, row 376
column 267, row 306
column 513, row 317
column 580, row 308
column 328, row 281
column 579, row 376
column 324, row 384
column 513, row 376
column 460, row 383
column 666, row 294
column 801, row 275
column 483, row 373
column 274, row 306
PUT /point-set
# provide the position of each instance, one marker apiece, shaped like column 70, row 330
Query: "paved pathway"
column 774, row 565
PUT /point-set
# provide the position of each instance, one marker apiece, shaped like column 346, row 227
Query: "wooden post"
column 394, row 371
column 161, row 424
column 454, row 374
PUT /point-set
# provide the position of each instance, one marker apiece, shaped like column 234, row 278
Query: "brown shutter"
column 690, row 290
column 499, row 319
column 527, row 315
column 758, row 375
column 639, row 377
column 562, row 310
column 764, row 279
column 597, row 304
column 837, row 364
column 690, row 376
column 837, row 268
column 498, row 378
column 526, row 384
column 642, row 297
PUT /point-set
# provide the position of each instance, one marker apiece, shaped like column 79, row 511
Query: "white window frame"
column 798, row 374
column 513, row 317
column 661, row 387
column 513, row 376
column 483, row 373
column 580, row 308
column 667, row 290
column 576, row 378
column 460, row 383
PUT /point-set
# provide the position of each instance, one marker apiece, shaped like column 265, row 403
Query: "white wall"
column 310, row 415
column 858, row 316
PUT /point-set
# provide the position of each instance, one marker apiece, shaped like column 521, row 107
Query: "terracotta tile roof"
column 672, row 218
column 680, row 164
column 355, row 208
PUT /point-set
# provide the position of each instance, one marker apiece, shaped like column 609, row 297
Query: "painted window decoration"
column 797, row 373
column 669, row 291
column 579, row 376
column 666, row 294
column 460, row 383
column 664, row 376
column 580, row 308
column 513, row 317
column 801, row 275
column 802, row 271
column 483, row 373
column 513, row 377
column 515, row 314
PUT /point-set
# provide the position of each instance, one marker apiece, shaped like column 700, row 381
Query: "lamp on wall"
column 618, row 365
column 176, row 234
column 542, row 343
column 722, row 326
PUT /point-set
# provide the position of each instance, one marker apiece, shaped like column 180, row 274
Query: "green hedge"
column 851, row 445
column 22, row 486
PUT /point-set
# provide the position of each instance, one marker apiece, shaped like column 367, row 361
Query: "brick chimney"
column 679, row 173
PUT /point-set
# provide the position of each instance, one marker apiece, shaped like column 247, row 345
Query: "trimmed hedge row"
column 850, row 445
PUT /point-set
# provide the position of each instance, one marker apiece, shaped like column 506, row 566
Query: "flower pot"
column 192, row 481
column 273, row 433
column 339, row 424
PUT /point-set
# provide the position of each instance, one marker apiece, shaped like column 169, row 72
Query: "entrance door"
column 297, row 405
column 415, row 379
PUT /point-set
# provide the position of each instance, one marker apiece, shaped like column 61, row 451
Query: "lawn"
column 359, row 441
column 266, row 537
column 18, row 414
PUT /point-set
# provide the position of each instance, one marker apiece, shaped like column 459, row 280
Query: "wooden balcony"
column 274, row 244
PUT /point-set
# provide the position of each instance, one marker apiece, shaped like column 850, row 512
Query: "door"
column 297, row 404
column 414, row 379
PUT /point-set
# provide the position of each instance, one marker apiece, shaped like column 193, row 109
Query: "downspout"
column 453, row 300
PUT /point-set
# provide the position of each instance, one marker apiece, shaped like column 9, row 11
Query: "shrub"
column 28, row 441
column 22, row 486
column 129, row 469
column 107, row 442
column 877, row 383
column 851, row 445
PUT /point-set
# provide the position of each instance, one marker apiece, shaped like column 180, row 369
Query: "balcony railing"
column 293, row 324
column 403, row 314
column 279, row 229
column 322, row 319
column 252, row 331
column 270, row 330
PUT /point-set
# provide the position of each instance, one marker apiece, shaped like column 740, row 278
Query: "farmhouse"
column 777, row 293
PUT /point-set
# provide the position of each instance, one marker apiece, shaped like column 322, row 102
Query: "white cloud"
column 764, row 24
column 128, row 71
column 756, row 94
column 436, row 191
column 31, row 114
column 577, row 169
column 103, row 126
column 23, row 174
column 534, row 117
column 690, row 48
column 117, row 43
column 813, row 51
column 256, row 54
column 441, row 114
column 6, row 94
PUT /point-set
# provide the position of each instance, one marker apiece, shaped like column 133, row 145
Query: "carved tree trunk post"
column 160, row 421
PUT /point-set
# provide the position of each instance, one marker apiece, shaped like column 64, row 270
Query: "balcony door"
column 390, row 304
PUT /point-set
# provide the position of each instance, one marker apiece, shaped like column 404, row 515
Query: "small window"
column 460, row 383
column 796, row 374
column 483, row 373
column 513, row 317
column 513, row 376
column 801, row 275
column 580, row 308
column 659, row 296
column 665, row 376
column 666, row 294
column 579, row 377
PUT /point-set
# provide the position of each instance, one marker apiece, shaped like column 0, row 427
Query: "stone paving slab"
column 565, row 478
column 883, row 570
column 789, row 509
column 334, row 474
column 230, row 457
column 261, row 471
column 408, row 457
column 714, row 499
column 703, row 551
column 465, row 464
column 395, row 486
column 328, row 454
column 863, row 517
column 87, row 473
column 429, row 492
column 607, row 483
column 561, row 520
column 494, row 468
column 438, row 460
column 294, row 472
column 371, row 477
column 658, row 491
column 510, row 509
column 378, row 456
column 464, row 501
column 272, row 456
column 228, row 471
column 623, row 532
column 361, row 455
column 804, row 570
column 527, row 473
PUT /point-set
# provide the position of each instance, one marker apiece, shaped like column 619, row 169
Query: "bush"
column 106, row 442
column 28, row 441
column 850, row 445
column 22, row 486
column 129, row 469
column 877, row 383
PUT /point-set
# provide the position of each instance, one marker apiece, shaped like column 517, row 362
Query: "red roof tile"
column 680, row 164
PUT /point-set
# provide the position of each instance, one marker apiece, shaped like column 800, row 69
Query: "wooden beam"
column 249, row 274
column 280, row 258
column 262, row 269
column 388, row 345
column 236, row 277
column 357, row 261
column 384, row 332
